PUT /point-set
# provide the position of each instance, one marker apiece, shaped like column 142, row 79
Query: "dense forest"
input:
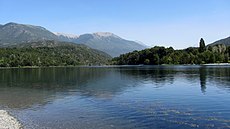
column 53, row 53
column 161, row 55
column 59, row 55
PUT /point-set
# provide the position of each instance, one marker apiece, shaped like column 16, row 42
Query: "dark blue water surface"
column 118, row 97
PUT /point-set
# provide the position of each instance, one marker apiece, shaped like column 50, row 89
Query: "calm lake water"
column 118, row 97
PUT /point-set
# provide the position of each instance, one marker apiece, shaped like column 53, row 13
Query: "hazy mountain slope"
column 109, row 43
column 12, row 33
column 225, row 41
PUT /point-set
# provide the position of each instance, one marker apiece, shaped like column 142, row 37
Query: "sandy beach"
column 8, row 122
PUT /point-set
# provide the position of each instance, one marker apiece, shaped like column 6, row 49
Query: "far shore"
column 211, row 64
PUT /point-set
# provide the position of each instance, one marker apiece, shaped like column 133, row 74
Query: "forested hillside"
column 51, row 53
column 161, row 55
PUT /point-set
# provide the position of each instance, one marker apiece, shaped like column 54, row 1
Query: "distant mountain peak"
column 11, row 23
column 15, row 24
column 13, row 33
column 23, row 25
column 105, row 34
column 73, row 36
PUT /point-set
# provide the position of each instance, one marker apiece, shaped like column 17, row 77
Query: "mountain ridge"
column 14, row 33
column 225, row 41
column 109, row 43
column 66, row 35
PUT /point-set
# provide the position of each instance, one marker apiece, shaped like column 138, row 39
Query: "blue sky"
column 176, row 23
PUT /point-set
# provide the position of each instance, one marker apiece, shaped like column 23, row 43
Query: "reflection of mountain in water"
column 24, row 88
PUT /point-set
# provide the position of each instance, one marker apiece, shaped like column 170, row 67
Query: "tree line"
column 161, row 55
column 50, row 56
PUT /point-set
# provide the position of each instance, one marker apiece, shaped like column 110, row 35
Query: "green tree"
column 147, row 61
column 226, row 58
column 202, row 45
column 212, row 58
column 160, row 55
column 156, row 60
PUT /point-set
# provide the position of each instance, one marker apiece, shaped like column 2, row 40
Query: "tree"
column 226, row 56
column 212, row 58
column 228, row 50
column 160, row 55
column 147, row 61
column 202, row 45
column 156, row 59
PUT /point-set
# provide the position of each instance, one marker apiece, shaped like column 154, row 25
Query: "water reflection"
column 25, row 88
column 158, row 75
column 203, row 77
column 118, row 97
column 218, row 76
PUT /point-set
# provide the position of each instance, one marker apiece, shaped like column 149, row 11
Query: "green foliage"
column 147, row 62
column 65, row 55
column 202, row 45
column 160, row 55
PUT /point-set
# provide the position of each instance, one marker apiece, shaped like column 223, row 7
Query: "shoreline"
column 36, row 67
column 8, row 122
column 217, row 64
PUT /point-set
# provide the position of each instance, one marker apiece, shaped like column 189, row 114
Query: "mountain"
column 225, row 41
column 109, row 43
column 66, row 37
column 13, row 33
column 51, row 53
column 141, row 43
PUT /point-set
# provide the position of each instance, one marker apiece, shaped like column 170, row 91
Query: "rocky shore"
column 8, row 122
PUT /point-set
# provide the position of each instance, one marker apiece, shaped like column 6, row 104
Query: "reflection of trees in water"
column 219, row 76
column 48, row 78
column 215, row 75
column 203, row 77
column 157, row 75
column 163, row 74
column 167, row 74
column 23, row 88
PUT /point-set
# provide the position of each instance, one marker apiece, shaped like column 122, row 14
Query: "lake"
column 173, row 97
